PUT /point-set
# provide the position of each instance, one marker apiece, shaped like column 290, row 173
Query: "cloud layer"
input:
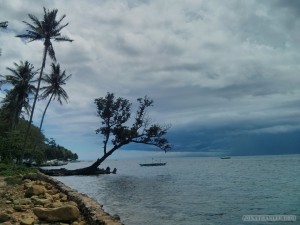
column 225, row 75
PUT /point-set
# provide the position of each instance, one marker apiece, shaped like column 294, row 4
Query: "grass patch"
column 14, row 170
column 13, row 173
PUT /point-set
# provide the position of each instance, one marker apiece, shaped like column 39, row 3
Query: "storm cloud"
column 224, row 74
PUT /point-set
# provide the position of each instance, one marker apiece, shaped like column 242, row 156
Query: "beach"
column 40, row 199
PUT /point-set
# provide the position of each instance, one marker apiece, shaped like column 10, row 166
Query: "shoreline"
column 90, row 211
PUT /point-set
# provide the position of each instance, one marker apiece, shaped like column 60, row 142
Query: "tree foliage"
column 46, row 30
column 54, row 82
column 21, row 80
column 115, row 114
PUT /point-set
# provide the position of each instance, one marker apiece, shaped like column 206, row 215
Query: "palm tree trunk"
column 41, row 124
column 34, row 101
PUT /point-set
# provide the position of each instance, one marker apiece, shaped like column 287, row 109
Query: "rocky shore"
column 40, row 199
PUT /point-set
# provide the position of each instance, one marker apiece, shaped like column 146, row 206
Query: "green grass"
column 14, row 172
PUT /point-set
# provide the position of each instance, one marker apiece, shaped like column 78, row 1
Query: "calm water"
column 193, row 191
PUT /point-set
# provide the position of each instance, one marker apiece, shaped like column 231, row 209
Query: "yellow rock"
column 64, row 213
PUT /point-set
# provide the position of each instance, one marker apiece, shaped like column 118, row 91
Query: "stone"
column 55, row 196
column 27, row 221
column 21, row 208
column 7, row 223
column 63, row 197
column 10, row 211
column 64, row 213
column 40, row 201
column 35, row 190
column 4, row 217
column 71, row 203
column 56, row 204
column 23, row 201
column 48, row 196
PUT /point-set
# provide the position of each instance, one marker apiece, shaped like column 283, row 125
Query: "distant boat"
column 225, row 157
column 153, row 164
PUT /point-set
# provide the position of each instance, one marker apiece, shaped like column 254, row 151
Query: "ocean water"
column 196, row 190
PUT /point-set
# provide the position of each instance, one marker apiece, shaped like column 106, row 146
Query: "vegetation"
column 45, row 30
column 115, row 114
column 55, row 80
column 9, row 169
column 39, row 148
column 3, row 25
column 21, row 141
column 21, row 80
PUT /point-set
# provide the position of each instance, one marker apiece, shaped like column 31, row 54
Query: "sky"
column 224, row 74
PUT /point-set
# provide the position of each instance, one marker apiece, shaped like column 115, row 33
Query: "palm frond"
column 51, row 53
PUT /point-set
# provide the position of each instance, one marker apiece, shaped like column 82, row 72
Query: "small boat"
column 225, row 157
column 153, row 164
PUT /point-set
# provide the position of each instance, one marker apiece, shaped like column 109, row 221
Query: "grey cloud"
column 219, row 72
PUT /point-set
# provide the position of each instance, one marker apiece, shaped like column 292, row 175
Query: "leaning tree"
column 115, row 114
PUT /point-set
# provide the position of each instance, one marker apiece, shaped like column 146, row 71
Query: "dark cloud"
column 225, row 75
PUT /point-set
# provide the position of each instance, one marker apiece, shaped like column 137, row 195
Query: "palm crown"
column 55, row 80
column 46, row 30
column 21, row 79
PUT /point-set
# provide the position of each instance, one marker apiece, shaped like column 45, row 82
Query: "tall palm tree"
column 17, row 98
column 55, row 80
column 4, row 26
column 45, row 30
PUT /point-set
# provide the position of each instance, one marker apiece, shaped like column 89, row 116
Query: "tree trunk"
column 34, row 102
column 42, row 120
column 90, row 170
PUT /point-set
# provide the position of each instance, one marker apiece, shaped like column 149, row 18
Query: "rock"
column 56, row 204
column 21, row 208
column 116, row 216
column 55, row 196
column 63, row 197
column 35, row 190
column 48, row 196
column 40, row 201
column 23, row 201
column 7, row 223
column 71, row 203
column 64, row 213
column 27, row 221
column 10, row 211
column 4, row 217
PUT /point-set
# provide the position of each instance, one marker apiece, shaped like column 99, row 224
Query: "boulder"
column 27, row 221
column 23, row 201
column 4, row 217
column 35, row 190
column 40, row 201
column 64, row 213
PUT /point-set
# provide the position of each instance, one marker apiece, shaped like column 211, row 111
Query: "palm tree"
column 55, row 80
column 45, row 30
column 18, row 97
column 4, row 26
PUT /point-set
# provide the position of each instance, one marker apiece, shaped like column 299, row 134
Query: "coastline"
column 25, row 209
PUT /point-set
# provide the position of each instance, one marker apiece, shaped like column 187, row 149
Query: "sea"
column 250, row 190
